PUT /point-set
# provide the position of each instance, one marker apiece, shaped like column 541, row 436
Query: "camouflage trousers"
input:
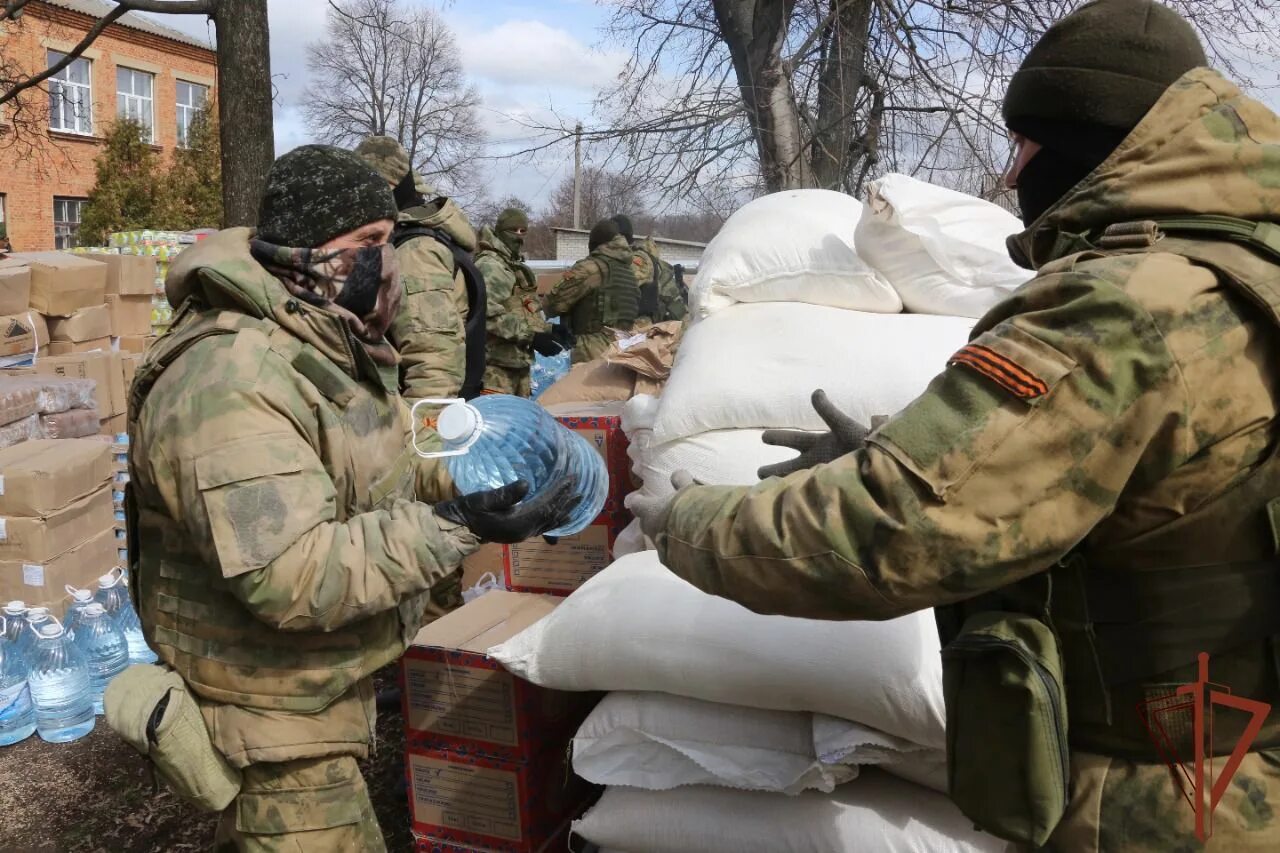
column 1138, row 808
column 311, row 804
column 507, row 380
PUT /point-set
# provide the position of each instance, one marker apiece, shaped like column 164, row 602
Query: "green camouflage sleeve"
column 265, row 510
column 577, row 282
column 428, row 332
column 501, row 321
column 1014, row 453
column 673, row 305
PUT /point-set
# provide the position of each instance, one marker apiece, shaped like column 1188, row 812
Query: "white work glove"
column 651, row 510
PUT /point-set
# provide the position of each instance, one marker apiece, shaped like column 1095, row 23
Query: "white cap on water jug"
column 51, row 630
column 14, row 608
column 80, row 595
column 109, row 580
column 458, row 422
column 95, row 609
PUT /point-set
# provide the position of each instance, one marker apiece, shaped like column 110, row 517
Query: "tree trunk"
column 244, row 106
column 835, row 149
column 755, row 31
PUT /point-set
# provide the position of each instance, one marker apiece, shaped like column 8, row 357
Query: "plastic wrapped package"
column 18, row 400
column 55, row 394
column 19, row 431
column 73, row 423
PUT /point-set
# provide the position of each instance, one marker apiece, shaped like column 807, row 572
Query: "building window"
column 66, row 221
column 134, row 101
column 71, row 96
column 191, row 99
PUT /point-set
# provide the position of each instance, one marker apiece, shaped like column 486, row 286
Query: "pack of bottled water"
column 548, row 371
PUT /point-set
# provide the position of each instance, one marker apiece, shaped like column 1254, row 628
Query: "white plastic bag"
column 874, row 813
column 756, row 366
column 658, row 742
column 636, row 626
column 793, row 246
column 943, row 252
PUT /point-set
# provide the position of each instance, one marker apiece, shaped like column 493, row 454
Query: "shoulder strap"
column 473, row 377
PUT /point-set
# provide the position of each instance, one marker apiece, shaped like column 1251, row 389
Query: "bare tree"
column 604, row 194
column 244, row 89
column 384, row 70
column 727, row 98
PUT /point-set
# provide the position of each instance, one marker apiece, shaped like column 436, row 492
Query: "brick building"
column 136, row 68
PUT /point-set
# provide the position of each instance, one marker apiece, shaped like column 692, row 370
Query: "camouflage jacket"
column 514, row 312
column 579, row 282
column 429, row 333
column 1106, row 398
column 649, row 263
column 284, row 547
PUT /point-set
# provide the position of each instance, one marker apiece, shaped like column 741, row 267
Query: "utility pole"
column 577, row 176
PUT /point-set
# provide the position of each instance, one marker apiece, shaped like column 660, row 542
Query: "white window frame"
column 79, row 107
column 187, row 112
column 130, row 104
column 65, row 230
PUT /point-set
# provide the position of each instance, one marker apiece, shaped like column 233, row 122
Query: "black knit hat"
column 625, row 228
column 317, row 192
column 604, row 231
column 1107, row 63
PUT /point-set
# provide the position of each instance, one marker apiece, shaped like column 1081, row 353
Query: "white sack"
column 636, row 626
column 631, row 540
column 843, row 742
column 794, row 246
column 658, row 742
column 875, row 813
column 944, row 252
column 756, row 366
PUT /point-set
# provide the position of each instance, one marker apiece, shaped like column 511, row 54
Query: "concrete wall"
column 571, row 246
column 63, row 164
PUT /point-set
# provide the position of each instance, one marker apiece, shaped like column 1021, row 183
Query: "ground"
column 95, row 795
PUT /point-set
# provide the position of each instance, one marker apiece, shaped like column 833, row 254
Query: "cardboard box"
column 104, row 368
column 558, row 843
column 559, row 569
column 87, row 324
column 129, row 275
column 130, row 315
column 63, row 283
column 72, row 348
column 458, row 698
column 115, row 425
column 129, row 363
column 136, row 344
column 43, row 583
column 601, row 425
column 20, row 334
column 473, row 802
column 490, row 559
column 15, row 286
column 42, row 538
column 40, row 477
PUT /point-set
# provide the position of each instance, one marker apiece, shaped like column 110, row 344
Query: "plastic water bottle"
column 496, row 439
column 80, row 599
column 113, row 595
column 59, row 680
column 36, row 618
column 15, row 620
column 17, row 713
column 105, row 650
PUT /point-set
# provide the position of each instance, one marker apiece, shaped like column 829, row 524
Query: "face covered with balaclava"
column 511, row 227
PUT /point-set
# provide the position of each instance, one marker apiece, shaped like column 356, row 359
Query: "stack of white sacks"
column 732, row 731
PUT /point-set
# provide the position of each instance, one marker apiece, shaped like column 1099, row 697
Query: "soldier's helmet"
column 386, row 156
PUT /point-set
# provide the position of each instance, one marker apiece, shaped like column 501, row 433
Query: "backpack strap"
column 476, row 333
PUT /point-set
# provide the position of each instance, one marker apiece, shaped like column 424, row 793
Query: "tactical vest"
column 1091, row 654
column 650, row 306
column 192, row 619
column 616, row 301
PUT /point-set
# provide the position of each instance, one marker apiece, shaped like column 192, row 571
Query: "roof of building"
column 638, row 237
column 132, row 20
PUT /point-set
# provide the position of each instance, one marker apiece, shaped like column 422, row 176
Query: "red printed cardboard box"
column 559, row 569
column 467, row 802
column 601, row 425
column 457, row 698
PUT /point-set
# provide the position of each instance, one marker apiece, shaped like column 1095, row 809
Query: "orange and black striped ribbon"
column 1006, row 373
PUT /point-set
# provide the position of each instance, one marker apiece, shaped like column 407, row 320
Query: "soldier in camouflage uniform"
column 282, row 544
column 660, row 297
column 1102, row 455
column 599, row 295
column 516, row 326
column 429, row 333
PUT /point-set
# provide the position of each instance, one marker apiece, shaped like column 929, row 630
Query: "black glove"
column 499, row 516
column 546, row 345
column 563, row 335
column 846, row 436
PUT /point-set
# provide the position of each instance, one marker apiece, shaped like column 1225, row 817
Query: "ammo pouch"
column 1007, row 752
column 150, row 707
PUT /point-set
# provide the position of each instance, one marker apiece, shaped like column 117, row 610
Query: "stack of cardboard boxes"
column 488, row 753
column 57, row 528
